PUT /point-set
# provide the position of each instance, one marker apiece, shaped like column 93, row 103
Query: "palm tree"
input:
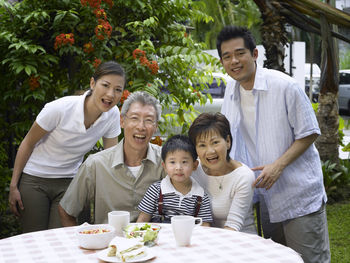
column 298, row 13
column 273, row 33
column 227, row 12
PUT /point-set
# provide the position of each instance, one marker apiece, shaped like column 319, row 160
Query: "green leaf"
column 19, row 69
column 58, row 19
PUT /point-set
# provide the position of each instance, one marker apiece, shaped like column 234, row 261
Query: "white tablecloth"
column 208, row 245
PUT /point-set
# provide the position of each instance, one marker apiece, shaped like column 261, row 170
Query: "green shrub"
column 49, row 49
column 337, row 179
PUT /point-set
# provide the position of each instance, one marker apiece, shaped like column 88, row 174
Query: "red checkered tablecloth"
column 212, row 245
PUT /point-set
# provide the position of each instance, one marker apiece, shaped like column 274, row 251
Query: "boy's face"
column 179, row 166
column 238, row 62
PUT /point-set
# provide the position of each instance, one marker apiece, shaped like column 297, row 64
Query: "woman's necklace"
column 220, row 182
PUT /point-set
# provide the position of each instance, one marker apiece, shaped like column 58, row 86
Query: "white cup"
column 182, row 228
column 119, row 219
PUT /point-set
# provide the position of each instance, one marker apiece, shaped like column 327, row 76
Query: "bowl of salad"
column 144, row 232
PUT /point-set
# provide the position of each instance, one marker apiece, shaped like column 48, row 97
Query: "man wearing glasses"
column 117, row 178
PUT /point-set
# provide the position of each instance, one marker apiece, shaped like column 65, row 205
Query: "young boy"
column 177, row 193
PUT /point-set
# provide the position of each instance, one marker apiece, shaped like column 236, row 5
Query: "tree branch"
column 311, row 8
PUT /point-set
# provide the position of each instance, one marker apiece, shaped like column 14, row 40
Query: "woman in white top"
column 228, row 182
column 53, row 149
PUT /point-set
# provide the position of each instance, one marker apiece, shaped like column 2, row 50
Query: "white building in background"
column 342, row 4
column 344, row 47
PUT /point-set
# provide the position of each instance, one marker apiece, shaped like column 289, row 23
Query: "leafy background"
column 170, row 34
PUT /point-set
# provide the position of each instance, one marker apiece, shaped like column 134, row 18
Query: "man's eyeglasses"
column 134, row 120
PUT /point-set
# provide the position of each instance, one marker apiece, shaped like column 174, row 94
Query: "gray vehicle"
column 217, row 92
column 344, row 90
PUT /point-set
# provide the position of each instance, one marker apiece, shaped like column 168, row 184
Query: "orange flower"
column 144, row 61
column 95, row 4
column 154, row 67
column 109, row 2
column 96, row 62
column 138, row 53
column 64, row 39
column 141, row 55
column 157, row 140
column 34, row 82
column 88, row 48
column 125, row 95
column 103, row 28
column 100, row 13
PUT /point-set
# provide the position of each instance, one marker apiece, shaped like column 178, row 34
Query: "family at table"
column 260, row 148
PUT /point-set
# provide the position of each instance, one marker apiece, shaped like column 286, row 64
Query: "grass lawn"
column 338, row 216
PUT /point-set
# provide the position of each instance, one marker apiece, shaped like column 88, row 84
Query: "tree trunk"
column 327, row 114
column 273, row 33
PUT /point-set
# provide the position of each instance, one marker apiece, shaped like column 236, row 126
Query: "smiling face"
column 106, row 92
column 238, row 62
column 139, row 124
column 179, row 166
column 212, row 150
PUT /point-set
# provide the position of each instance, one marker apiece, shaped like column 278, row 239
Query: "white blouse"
column 231, row 198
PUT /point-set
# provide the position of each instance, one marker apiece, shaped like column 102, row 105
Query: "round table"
column 208, row 244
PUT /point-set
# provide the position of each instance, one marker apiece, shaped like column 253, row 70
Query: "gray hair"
column 145, row 99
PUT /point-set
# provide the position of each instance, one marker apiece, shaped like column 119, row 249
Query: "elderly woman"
column 228, row 182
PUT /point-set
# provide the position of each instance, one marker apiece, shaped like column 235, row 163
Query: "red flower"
column 125, row 95
column 154, row 67
column 34, row 82
column 96, row 62
column 157, row 140
column 88, row 48
column 64, row 39
column 109, row 2
column 144, row 61
column 95, row 4
column 138, row 53
column 141, row 55
column 103, row 28
column 100, row 13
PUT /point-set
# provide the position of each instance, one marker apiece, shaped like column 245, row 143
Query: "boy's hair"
column 230, row 32
column 179, row 143
column 208, row 122
column 145, row 99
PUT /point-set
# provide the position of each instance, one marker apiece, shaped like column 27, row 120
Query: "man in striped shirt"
column 273, row 127
column 177, row 193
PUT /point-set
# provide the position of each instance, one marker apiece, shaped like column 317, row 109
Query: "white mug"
column 182, row 228
column 119, row 219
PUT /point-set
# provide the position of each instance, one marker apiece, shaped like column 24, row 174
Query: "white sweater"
column 232, row 204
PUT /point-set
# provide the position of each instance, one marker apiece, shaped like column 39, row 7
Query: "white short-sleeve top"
column 60, row 152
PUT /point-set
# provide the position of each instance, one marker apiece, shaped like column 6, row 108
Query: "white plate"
column 103, row 256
